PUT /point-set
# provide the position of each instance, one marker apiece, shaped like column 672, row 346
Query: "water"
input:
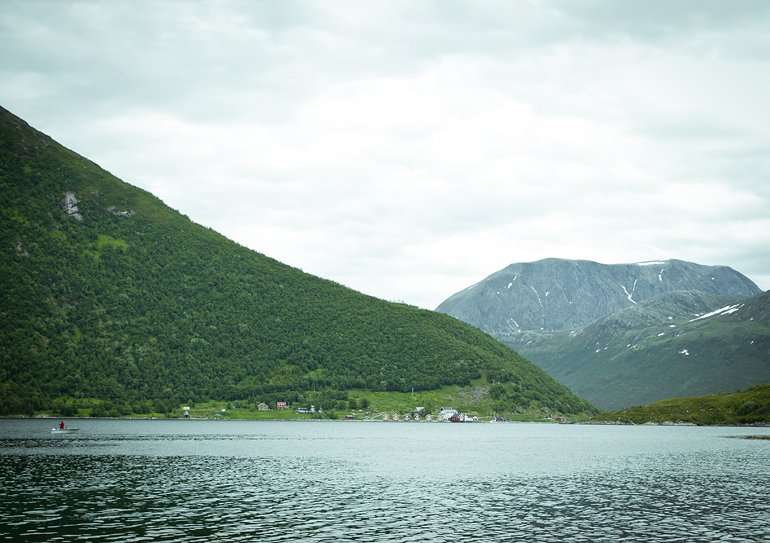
column 349, row 481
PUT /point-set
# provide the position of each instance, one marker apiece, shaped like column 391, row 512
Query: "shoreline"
column 303, row 419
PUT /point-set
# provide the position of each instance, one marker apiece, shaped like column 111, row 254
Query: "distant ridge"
column 556, row 294
column 627, row 334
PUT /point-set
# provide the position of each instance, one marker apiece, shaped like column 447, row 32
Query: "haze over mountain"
column 109, row 294
column 627, row 334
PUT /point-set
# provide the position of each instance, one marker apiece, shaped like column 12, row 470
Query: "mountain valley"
column 622, row 335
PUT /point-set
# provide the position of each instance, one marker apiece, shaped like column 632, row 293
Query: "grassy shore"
column 473, row 400
column 750, row 406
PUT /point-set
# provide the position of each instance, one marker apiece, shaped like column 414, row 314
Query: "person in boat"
column 61, row 425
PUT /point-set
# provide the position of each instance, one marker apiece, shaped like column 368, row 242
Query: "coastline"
column 301, row 418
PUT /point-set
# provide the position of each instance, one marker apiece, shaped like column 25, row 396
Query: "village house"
column 262, row 406
column 281, row 405
column 447, row 413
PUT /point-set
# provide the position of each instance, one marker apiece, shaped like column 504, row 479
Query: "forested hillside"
column 109, row 294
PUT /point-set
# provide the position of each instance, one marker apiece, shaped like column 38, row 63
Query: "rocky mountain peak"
column 556, row 294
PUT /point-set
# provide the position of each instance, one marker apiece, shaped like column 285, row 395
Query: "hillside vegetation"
column 677, row 345
column 750, row 406
column 111, row 298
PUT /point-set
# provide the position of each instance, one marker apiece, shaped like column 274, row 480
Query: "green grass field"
column 750, row 406
column 361, row 404
column 472, row 400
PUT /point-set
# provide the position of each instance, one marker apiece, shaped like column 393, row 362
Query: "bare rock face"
column 124, row 213
column 554, row 294
column 70, row 206
column 20, row 250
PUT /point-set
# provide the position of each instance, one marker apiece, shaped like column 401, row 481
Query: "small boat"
column 64, row 431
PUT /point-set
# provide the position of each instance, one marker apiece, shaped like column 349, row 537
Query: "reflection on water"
column 370, row 483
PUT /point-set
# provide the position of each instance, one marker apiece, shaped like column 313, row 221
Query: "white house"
column 447, row 412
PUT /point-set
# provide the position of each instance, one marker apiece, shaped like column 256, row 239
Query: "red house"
column 281, row 405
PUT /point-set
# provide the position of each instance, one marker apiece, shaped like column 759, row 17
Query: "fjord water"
column 120, row 480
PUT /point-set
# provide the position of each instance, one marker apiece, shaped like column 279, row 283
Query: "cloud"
column 409, row 149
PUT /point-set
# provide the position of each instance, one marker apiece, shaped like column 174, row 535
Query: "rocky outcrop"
column 124, row 213
column 70, row 206
column 20, row 250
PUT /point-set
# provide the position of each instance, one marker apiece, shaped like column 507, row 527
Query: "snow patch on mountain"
column 726, row 310
column 628, row 294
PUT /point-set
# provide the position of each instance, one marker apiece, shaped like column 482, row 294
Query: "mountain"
column 750, row 406
column 111, row 297
column 555, row 294
column 677, row 345
column 621, row 335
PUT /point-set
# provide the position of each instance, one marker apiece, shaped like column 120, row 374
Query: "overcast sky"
column 409, row 149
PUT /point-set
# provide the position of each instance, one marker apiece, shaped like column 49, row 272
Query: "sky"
column 409, row 149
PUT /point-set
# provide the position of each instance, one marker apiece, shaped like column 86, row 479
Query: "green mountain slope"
column 749, row 406
column 676, row 345
column 107, row 293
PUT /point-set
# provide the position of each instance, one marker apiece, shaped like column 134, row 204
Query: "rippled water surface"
column 349, row 481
